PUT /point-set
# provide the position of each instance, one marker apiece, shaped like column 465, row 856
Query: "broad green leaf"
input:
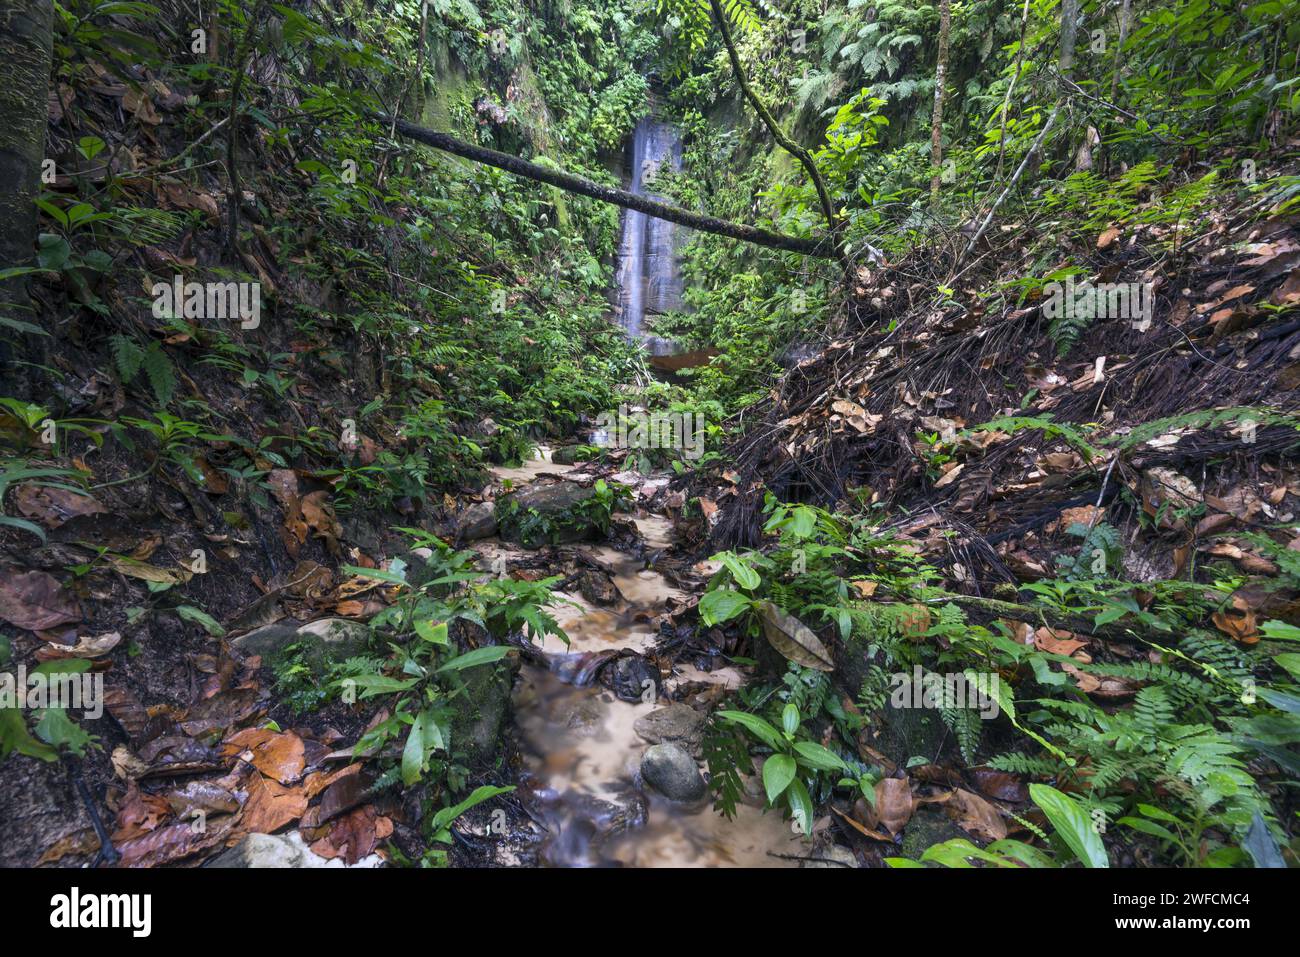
column 479, row 656
column 778, row 772
column 413, row 752
column 801, row 806
column 478, row 796
column 741, row 572
column 756, row 725
column 202, row 618
column 1072, row 823
column 790, row 719
column 722, row 604
column 435, row 633
column 392, row 578
column 818, row 758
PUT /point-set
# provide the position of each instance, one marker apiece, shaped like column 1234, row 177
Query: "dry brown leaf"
column 35, row 601
column 134, row 568
column 1057, row 642
column 87, row 647
column 140, row 813
column 1001, row 785
column 174, row 842
column 53, row 506
column 82, row 843
column 271, row 805
column 354, row 836
column 277, row 754
column 319, row 514
column 894, row 803
column 915, row 622
column 1107, row 238
column 863, row 829
column 1238, row 622
column 318, row 781
column 864, row 587
column 976, row 816
column 950, row 476
column 793, row 639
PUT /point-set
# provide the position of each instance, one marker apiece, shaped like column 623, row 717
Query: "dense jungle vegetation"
column 981, row 409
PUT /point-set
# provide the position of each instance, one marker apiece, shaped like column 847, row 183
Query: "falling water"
column 649, row 278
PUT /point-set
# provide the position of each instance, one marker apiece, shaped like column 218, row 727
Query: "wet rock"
column 333, row 639
column 675, row 724
column 582, row 823
column 477, row 521
column 565, row 455
column 267, row 640
column 323, row 641
column 625, row 811
column 556, row 523
column 632, row 678
column 670, row 770
column 834, row 856
column 586, row 718
column 597, row 588
column 279, row 851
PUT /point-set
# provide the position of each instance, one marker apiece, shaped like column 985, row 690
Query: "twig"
column 1024, row 164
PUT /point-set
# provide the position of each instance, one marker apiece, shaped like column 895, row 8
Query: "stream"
column 582, row 751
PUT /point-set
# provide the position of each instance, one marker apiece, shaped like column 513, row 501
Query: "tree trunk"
column 26, row 45
column 821, row 248
column 1069, row 34
column 1124, row 15
column 936, row 122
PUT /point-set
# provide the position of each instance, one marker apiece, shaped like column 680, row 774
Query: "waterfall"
column 649, row 278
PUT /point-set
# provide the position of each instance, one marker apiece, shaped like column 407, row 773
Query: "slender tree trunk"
column 1119, row 49
column 1006, row 100
column 936, row 122
column 1069, row 34
column 26, row 38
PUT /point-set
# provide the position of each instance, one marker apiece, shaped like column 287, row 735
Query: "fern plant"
column 131, row 360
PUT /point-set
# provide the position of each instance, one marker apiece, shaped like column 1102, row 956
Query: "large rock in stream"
column 676, row 724
column 546, row 515
column 670, row 770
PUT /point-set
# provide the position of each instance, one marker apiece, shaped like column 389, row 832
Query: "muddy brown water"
column 582, row 752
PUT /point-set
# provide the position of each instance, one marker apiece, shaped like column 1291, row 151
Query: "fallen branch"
column 820, row 248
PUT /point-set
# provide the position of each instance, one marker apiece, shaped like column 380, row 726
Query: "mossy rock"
column 482, row 708
column 927, row 827
column 547, row 515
